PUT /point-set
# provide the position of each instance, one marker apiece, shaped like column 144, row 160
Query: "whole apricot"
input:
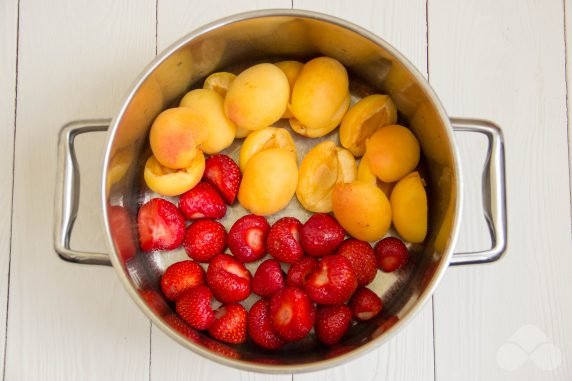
column 364, row 173
column 292, row 70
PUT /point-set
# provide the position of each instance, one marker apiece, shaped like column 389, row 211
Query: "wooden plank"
column 67, row 321
column 568, row 36
column 510, row 320
column 401, row 23
column 170, row 361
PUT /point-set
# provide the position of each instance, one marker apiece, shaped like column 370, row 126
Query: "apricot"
column 269, row 137
column 292, row 70
column 409, row 208
column 242, row 132
column 209, row 105
column 219, row 82
column 392, row 152
column 176, row 135
column 362, row 209
column 304, row 130
column 364, row 173
column 257, row 97
column 173, row 182
column 363, row 119
column 269, row 181
column 322, row 168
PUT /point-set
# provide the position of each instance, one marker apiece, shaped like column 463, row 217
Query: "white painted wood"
column 504, row 61
column 8, row 33
column 568, row 30
column 68, row 321
column 409, row 355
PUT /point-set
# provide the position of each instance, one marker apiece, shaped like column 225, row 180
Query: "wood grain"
column 67, row 321
column 504, row 61
column 568, row 36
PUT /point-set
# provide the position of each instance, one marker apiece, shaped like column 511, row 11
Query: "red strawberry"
column 247, row 238
column 260, row 327
column 205, row 239
column 268, row 278
column 230, row 324
column 365, row 304
column 120, row 225
column 283, row 241
column 361, row 256
column 228, row 279
column 292, row 314
column 180, row 277
column 183, row 328
column 298, row 273
column 202, row 201
column 321, row 235
column 161, row 226
column 333, row 282
column 332, row 322
column 194, row 307
column 391, row 254
column 224, row 174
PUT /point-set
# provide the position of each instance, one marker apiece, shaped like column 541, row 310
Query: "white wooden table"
column 503, row 60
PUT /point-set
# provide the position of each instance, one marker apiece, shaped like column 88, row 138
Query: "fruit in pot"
column 321, row 235
column 194, row 307
column 363, row 119
column 324, row 166
column 364, row 173
column 362, row 209
column 269, row 181
column 299, row 271
column 160, row 225
column 292, row 314
column 257, row 97
column 176, row 136
column 268, row 278
column 181, row 277
column 409, row 208
column 292, row 70
column 392, row 152
column 391, row 254
column 265, row 138
column 332, row 322
column 229, row 325
column 219, row 82
column 228, row 279
column 173, row 182
column 222, row 172
column 365, row 304
column 203, row 201
column 361, row 257
column 247, row 238
column 283, row 242
column 260, row 327
column 209, row 105
column 333, row 282
column 204, row 239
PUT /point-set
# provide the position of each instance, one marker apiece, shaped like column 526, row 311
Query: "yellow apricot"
column 269, row 181
column 362, row 209
column 292, row 70
column 269, row 137
column 309, row 132
column 257, row 97
column 409, row 208
column 363, row 119
column 173, row 182
column 364, row 173
column 219, row 82
column 392, row 152
column 242, row 132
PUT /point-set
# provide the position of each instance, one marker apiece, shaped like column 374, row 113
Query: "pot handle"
column 493, row 189
column 67, row 192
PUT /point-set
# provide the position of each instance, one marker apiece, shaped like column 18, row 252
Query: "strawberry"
column 120, row 225
column 202, row 201
column 365, row 304
column 183, row 328
column 333, row 282
column 361, row 257
column 247, row 238
column 228, row 279
column 205, row 239
column 222, row 172
column 268, row 278
column 298, row 273
column 283, row 241
column 321, row 235
column 260, row 327
column 332, row 322
column 292, row 314
column 161, row 226
column 391, row 254
column 180, row 277
column 194, row 307
column 230, row 324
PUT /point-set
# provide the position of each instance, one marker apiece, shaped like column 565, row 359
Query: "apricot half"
column 173, row 182
column 219, row 82
column 409, row 208
column 364, row 173
column 269, row 137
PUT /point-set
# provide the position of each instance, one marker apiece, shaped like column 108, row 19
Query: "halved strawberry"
column 260, row 327
column 228, row 279
column 283, row 241
column 292, row 314
column 205, row 239
column 391, row 254
column 180, row 277
column 268, row 278
column 194, row 307
column 298, row 273
column 160, row 225
column 321, row 235
column 230, row 324
column 361, row 256
column 247, row 238
column 365, row 304
column 224, row 174
column 333, row 282
column 332, row 322
column 202, row 201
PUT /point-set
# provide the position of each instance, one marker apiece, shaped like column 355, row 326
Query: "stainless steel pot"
column 272, row 35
